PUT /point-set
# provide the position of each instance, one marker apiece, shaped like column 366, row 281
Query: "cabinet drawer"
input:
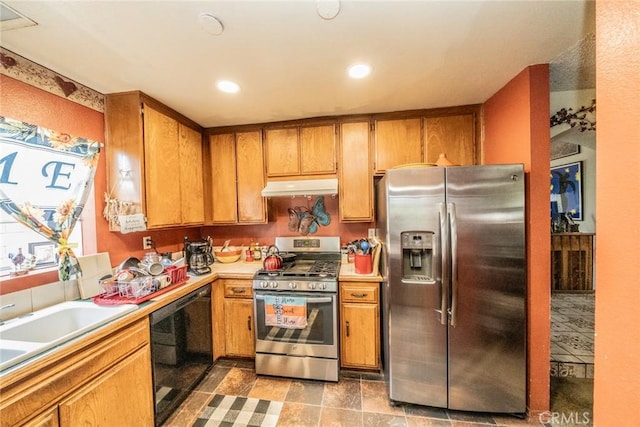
column 238, row 289
column 359, row 293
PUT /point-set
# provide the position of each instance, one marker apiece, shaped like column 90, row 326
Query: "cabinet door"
column 356, row 178
column 122, row 396
column 162, row 169
column 451, row 135
column 360, row 335
column 191, row 180
column 250, row 169
column 238, row 327
column 318, row 150
column 282, row 152
column 217, row 294
column 224, row 194
column 397, row 142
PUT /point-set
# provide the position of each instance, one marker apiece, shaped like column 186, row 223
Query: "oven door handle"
column 309, row 300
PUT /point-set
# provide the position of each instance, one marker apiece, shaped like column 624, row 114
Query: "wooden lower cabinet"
column 360, row 325
column 233, row 327
column 119, row 397
column 104, row 383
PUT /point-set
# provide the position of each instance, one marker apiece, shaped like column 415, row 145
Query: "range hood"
column 303, row 187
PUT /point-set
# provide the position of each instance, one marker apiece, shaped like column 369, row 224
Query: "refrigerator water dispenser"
column 417, row 256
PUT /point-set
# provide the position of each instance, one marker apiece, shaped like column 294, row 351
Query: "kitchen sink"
column 37, row 332
column 7, row 354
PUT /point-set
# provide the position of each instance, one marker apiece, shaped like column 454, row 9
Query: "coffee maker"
column 198, row 256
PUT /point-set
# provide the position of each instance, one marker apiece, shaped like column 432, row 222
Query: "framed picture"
column 566, row 190
column 45, row 252
column 561, row 149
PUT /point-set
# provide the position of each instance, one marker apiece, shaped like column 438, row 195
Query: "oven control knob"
column 323, row 286
column 263, row 284
column 312, row 285
column 293, row 285
column 273, row 285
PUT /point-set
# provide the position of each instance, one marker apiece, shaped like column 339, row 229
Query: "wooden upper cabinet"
column 318, row 150
column 307, row 150
column 162, row 169
column 154, row 160
column 397, row 142
column 282, row 152
column 191, row 175
column 356, row 177
column 237, row 178
column 252, row 207
column 451, row 135
column 224, row 196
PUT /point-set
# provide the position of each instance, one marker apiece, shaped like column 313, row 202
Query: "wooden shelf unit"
column 572, row 262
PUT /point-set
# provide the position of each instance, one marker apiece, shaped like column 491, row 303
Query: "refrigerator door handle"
column 444, row 262
column 453, row 226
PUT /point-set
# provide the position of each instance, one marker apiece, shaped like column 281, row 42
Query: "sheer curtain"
column 45, row 179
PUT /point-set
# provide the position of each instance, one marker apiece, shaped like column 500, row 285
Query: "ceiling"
column 291, row 63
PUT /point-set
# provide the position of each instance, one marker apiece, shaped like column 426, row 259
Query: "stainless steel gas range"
column 296, row 311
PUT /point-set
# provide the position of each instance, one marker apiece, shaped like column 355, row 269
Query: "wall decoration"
column 566, row 190
column 307, row 220
column 561, row 149
column 45, row 252
column 26, row 71
column 579, row 119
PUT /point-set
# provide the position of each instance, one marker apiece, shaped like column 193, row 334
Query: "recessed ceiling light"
column 228, row 86
column 359, row 71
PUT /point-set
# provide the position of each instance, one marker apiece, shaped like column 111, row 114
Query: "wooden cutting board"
column 93, row 268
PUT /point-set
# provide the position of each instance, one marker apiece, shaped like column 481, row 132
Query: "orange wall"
column 278, row 226
column 516, row 130
column 617, row 330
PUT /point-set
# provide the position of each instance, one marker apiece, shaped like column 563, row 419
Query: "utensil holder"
column 363, row 264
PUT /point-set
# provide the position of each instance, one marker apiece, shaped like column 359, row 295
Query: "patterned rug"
column 572, row 335
column 238, row 411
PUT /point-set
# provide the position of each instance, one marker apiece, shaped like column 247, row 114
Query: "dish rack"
column 138, row 289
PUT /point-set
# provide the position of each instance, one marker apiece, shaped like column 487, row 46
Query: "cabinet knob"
column 361, row 295
column 347, row 324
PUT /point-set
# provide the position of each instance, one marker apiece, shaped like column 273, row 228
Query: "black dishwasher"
column 181, row 349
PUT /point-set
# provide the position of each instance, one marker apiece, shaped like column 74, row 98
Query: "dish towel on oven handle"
column 285, row 311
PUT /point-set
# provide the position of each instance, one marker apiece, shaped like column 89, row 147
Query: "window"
column 15, row 236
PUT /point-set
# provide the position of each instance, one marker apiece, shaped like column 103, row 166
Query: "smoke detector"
column 210, row 24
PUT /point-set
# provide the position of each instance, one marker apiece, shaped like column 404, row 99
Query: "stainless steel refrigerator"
column 454, row 268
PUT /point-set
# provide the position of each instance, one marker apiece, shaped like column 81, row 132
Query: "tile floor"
column 233, row 395
column 572, row 333
column 232, row 390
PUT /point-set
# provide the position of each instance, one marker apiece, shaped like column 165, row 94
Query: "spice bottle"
column 257, row 254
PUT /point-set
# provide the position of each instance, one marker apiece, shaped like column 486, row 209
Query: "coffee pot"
column 198, row 256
